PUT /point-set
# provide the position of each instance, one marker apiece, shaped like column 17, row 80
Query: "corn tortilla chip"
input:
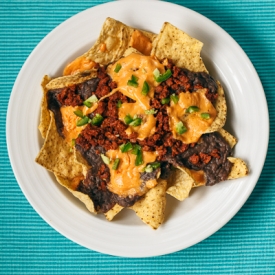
column 228, row 137
column 113, row 212
column 56, row 154
column 181, row 184
column 115, row 37
column 71, row 186
column 151, row 208
column 178, row 46
column 239, row 168
column 45, row 117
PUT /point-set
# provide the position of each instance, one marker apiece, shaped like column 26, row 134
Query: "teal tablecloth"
column 246, row 245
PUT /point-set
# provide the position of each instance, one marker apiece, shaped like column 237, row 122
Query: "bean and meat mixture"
column 209, row 154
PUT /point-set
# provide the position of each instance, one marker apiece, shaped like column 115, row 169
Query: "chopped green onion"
column 205, row 115
column 133, row 81
column 192, row 109
column 139, row 158
column 161, row 77
column 136, row 149
column 165, row 100
column 151, row 112
column 105, row 159
column 145, row 88
column 119, row 104
column 180, row 128
column 136, row 122
column 97, row 120
column 128, row 119
column 126, row 147
column 152, row 166
column 117, row 68
column 78, row 113
column 116, row 163
column 89, row 101
column 73, row 145
column 174, row 98
column 82, row 121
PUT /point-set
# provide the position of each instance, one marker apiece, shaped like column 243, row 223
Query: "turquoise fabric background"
column 245, row 245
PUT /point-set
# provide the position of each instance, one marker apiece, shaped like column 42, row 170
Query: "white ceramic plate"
column 187, row 222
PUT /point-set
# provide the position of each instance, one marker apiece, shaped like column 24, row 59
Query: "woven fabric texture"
column 245, row 245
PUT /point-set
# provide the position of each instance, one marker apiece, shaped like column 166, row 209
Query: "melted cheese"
column 70, row 130
column 80, row 64
column 141, row 67
column 141, row 42
column 194, row 123
column 125, row 181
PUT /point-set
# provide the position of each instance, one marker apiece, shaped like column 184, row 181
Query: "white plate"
column 187, row 222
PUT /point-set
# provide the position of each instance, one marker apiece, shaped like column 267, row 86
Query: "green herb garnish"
column 136, row 122
column 115, row 164
column 165, row 100
column 174, row 98
column 119, row 104
column 180, row 128
column 145, row 88
column 205, row 115
column 117, row 68
column 105, row 159
column 151, row 112
column 78, row 113
column 82, row 121
column 133, row 81
column 161, row 77
column 126, row 147
column 97, row 120
column 89, row 101
column 192, row 109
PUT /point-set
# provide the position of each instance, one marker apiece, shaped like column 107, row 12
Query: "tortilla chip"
column 178, row 46
column 45, row 117
column 114, row 39
column 150, row 209
column 228, row 137
column 221, row 108
column 113, row 212
column 239, row 168
column 71, row 185
column 66, row 81
column 56, row 154
column 181, row 186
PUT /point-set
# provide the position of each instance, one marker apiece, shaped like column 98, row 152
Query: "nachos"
column 134, row 118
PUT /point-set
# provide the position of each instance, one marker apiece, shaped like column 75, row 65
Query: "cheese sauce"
column 141, row 67
column 80, row 64
column 70, row 130
column 125, row 181
column 194, row 123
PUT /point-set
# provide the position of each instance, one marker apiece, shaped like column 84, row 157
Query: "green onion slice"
column 161, row 77
column 115, row 164
column 136, row 122
column 136, row 149
column 82, row 121
column 128, row 119
column 89, row 101
column 174, row 98
column 133, row 81
column 139, row 158
column 97, row 120
column 145, row 88
column 205, row 115
column 117, row 68
column 78, row 113
column 151, row 112
column 165, row 100
column 119, row 104
column 180, row 128
column 192, row 109
column 151, row 167
column 126, row 147
column 105, row 159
